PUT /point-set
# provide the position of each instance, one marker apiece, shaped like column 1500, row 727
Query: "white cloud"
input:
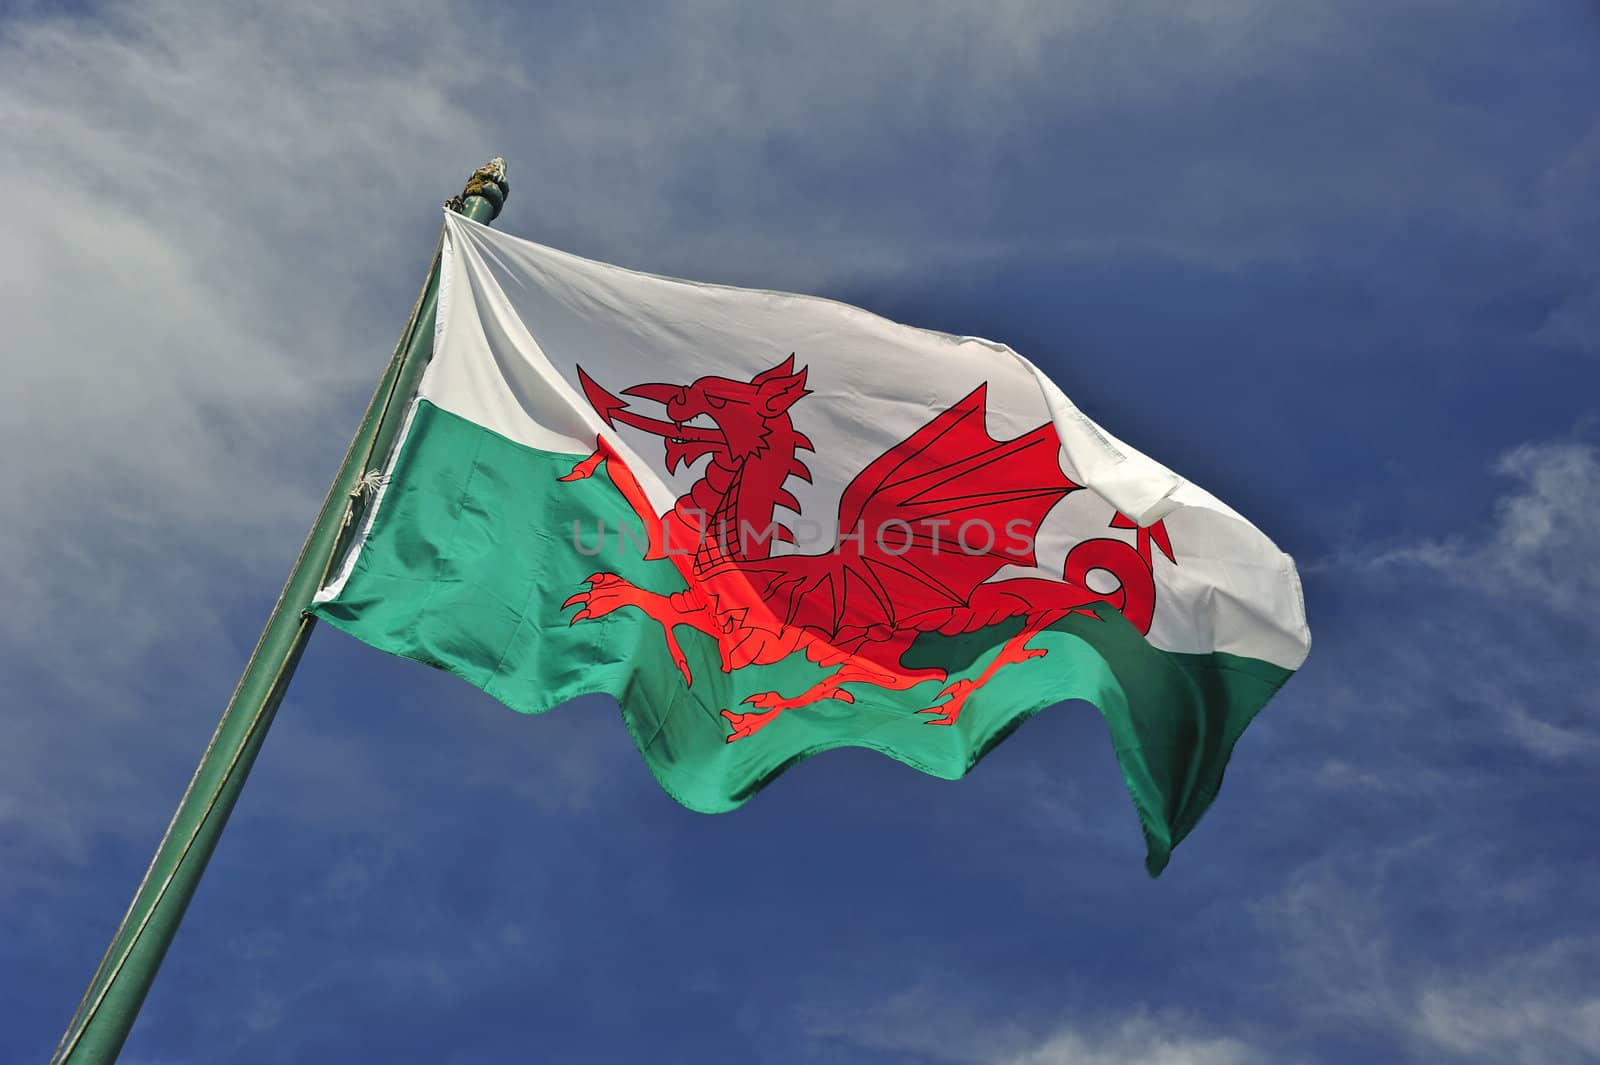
column 1141, row 1040
column 1525, row 1010
column 1507, row 607
column 923, row 1022
column 1544, row 541
column 1354, row 965
column 1548, row 740
column 176, row 367
column 217, row 219
column 1540, row 547
column 1435, row 917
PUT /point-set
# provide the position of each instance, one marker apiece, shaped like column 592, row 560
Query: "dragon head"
column 717, row 416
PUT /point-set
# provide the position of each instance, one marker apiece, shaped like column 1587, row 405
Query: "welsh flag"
column 771, row 524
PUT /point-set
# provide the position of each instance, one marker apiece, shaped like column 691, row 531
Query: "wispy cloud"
column 1540, row 550
column 1356, row 965
column 1440, row 923
column 1140, row 1041
column 1530, row 1008
column 1500, row 614
column 926, row 1024
column 185, row 350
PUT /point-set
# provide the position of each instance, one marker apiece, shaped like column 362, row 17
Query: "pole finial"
column 487, row 182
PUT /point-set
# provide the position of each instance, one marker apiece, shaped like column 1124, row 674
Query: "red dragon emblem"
column 923, row 530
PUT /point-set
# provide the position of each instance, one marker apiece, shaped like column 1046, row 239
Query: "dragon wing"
column 921, row 527
column 942, row 511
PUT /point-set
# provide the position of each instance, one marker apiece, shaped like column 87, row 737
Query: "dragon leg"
column 880, row 668
column 1014, row 650
column 770, row 704
column 608, row 592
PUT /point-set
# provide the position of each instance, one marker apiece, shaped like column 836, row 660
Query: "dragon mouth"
column 696, row 431
column 672, row 432
column 685, row 441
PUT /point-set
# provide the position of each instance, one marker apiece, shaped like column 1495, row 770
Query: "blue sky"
column 1334, row 261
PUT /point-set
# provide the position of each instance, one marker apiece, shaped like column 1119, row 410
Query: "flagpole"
column 109, row 1008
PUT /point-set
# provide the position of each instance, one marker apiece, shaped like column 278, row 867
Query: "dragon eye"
column 716, row 402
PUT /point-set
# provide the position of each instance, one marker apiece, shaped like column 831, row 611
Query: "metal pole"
column 111, row 1005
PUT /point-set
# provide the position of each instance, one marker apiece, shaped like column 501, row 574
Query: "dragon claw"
column 606, row 593
column 585, row 469
column 747, row 724
column 774, row 701
column 955, row 699
column 770, row 704
column 958, row 690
